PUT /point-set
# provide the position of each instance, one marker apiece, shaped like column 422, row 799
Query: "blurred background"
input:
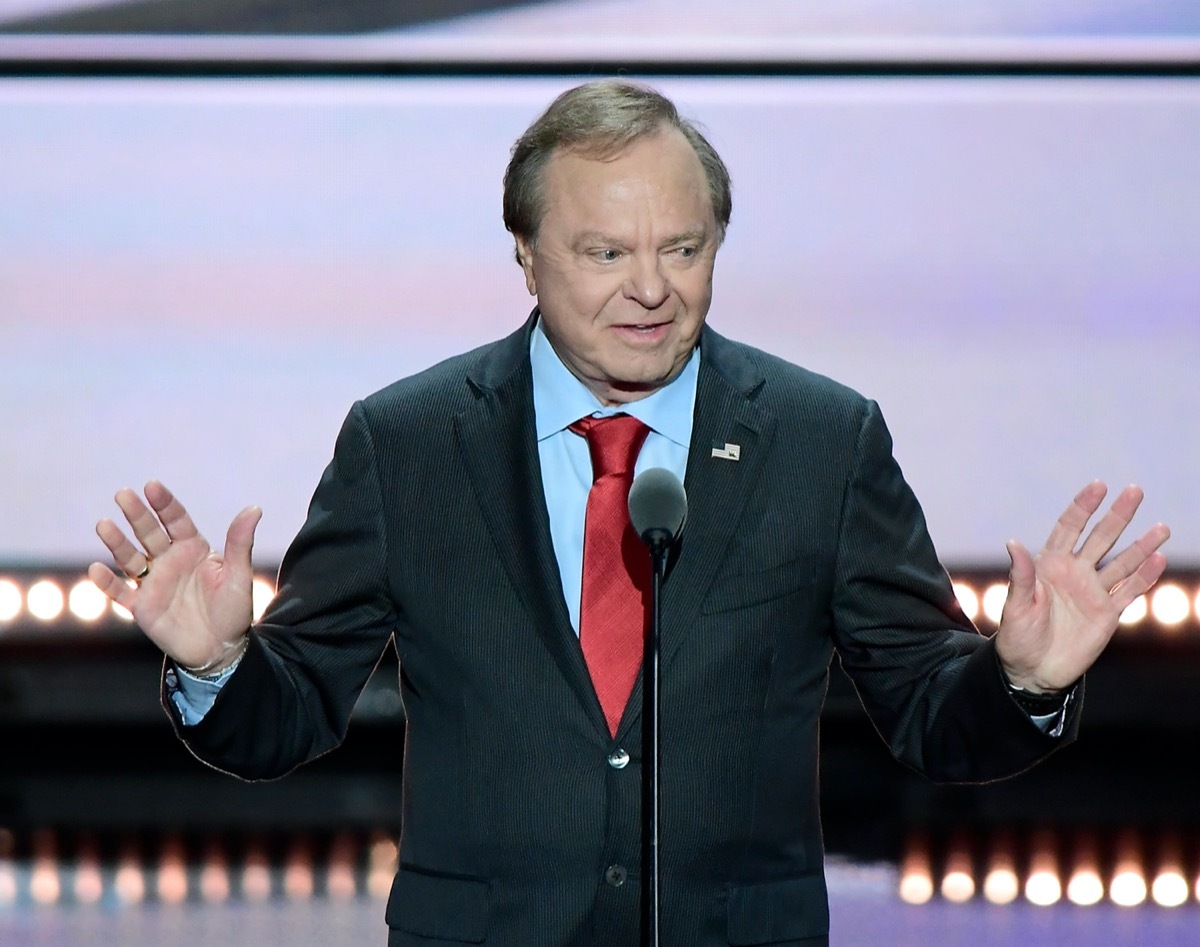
column 221, row 222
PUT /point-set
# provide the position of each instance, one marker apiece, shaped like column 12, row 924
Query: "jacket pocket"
column 764, row 585
column 448, row 908
column 776, row 912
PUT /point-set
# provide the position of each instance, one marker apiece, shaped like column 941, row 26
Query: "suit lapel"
column 716, row 487
column 498, row 443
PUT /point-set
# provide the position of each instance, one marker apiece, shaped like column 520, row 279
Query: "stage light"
column 298, row 881
column 171, row 885
column 1170, row 888
column 256, row 875
column 967, row 599
column 129, row 883
column 994, row 598
column 1000, row 884
column 10, row 600
column 45, row 600
column 1043, row 886
column 263, row 592
column 1196, row 605
column 916, row 878
column 1128, row 886
column 86, row 602
column 1135, row 611
column 214, row 875
column 45, row 886
column 381, row 866
column 1085, row 886
column 1170, row 605
column 88, row 885
column 340, row 882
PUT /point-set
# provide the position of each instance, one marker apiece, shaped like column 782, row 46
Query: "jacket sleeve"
column 930, row 682
column 311, row 654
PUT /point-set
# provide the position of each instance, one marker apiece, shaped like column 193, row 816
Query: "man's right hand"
column 193, row 602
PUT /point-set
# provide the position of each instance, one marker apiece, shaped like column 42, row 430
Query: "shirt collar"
column 559, row 398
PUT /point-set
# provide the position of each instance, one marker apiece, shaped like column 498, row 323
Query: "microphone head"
column 657, row 506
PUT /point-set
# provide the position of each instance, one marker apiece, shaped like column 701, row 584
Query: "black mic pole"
column 650, row 715
column 657, row 509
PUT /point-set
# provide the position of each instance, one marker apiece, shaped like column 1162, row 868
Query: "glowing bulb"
column 340, row 883
column 1170, row 888
column 916, row 879
column 1135, row 611
column 994, row 598
column 967, row 599
column 10, row 600
column 381, row 866
column 45, row 600
column 1085, row 887
column 86, row 601
column 1043, row 886
column 172, row 882
column 256, row 876
column 129, row 883
column 1170, row 605
column 263, row 592
column 298, row 881
column 1128, row 886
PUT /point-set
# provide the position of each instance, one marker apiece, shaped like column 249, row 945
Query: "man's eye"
column 686, row 252
column 607, row 255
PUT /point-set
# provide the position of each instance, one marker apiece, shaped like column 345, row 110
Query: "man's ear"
column 525, row 258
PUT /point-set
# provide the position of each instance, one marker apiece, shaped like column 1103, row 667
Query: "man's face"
column 623, row 265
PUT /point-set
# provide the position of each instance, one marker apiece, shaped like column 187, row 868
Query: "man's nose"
column 647, row 282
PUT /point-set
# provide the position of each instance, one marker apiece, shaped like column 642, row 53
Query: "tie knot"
column 614, row 443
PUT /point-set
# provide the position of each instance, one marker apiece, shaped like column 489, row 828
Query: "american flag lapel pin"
column 723, row 450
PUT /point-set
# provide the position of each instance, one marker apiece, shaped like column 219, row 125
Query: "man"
column 454, row 520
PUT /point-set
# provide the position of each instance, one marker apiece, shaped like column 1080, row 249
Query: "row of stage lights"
column 1051, row 867
column 1047, row 870
column 1171, row 605
column 51, row 873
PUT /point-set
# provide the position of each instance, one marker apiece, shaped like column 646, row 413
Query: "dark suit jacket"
column 430, row 525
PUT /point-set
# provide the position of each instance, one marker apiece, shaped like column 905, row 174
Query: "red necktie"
column 616, row 564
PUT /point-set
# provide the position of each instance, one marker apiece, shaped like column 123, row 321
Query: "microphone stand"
column 659, row 542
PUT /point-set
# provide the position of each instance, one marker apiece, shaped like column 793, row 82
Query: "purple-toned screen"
column 198, row 277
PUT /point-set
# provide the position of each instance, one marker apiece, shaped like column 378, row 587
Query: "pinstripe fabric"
column 429, row 528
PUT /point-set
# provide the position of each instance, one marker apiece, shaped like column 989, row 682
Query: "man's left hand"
column 1064, row 603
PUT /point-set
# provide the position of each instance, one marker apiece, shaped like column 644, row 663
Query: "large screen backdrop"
column 199, row 276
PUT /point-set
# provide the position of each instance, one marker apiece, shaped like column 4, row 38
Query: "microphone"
column 657, row 507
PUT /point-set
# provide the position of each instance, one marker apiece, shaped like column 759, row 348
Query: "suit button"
column 618, row 759
column 615, row 875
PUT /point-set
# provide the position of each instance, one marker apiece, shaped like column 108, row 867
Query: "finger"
column 1022, row 576
column 111, row 585
column 145, row 524
column 1140, row 582
column 239, row 540
column 1110, row 527
column 1070, row 525
column 1128, row 562
column 174, row 518
column 126, row 555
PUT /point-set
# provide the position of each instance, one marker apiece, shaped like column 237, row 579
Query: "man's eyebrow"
column 698, row 234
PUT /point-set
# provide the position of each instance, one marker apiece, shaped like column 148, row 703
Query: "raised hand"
column 1064, row 604
column 194, row 603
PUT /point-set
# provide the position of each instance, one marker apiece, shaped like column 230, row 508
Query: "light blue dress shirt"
column 559, row 399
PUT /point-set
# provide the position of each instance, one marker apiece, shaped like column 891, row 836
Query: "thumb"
column 1021, row 575
column 239, row 540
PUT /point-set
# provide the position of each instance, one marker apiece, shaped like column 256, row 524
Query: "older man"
column 458, row 519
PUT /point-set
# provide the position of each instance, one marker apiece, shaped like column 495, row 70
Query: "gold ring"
column 145, row 572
